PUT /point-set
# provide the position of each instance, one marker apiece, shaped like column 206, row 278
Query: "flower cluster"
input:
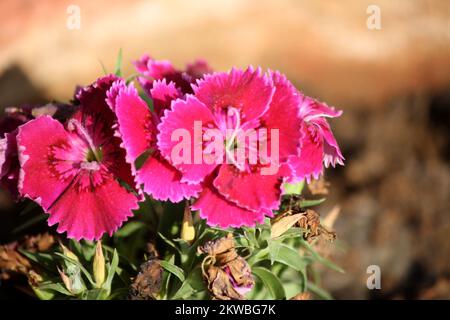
column 226, row 141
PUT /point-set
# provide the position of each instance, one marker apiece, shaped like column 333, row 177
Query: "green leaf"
column 321, row 259
column 129, row 228
column 241, row 241
column 170, row 243
column 184, row 291
column 286, row 255
column 43, row 294
column 105, row 71
column 82, row 248
column 140, row 160
column 321, row 293
column 112, row 268
column 45, row 260
column 271, row 282
column 250, row 234
column 258, row 255
column 175, row 270
column 148, row 100
column 58, row 287
column 95, row 294
column 131, row 78
column 292, row 233
column 293, row 188
column 311, row 203
column 118, row 68
column 78, row 264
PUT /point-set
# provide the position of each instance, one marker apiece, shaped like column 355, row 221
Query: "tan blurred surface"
column 393, row 85
column 324, row 45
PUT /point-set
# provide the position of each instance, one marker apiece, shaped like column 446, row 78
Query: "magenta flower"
column 9, row 122
column 317, row 145
column 137, row 128
column 9, row 161
column 74, row 171
column 9, row 164
column 151, row 69
column 235, row 193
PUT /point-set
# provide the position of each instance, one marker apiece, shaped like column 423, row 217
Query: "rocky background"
column 393, row 85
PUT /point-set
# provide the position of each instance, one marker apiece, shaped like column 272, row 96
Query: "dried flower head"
column 227, row 274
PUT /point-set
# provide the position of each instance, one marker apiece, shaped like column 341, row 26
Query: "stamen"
column 228, row 151
column 234, row 112
column 93, row 165
column 76, row 125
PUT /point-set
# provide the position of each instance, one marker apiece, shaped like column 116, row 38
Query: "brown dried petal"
column 148, row 282
column 216, row 247
column 241, row 272
column 284, row 224
column 220, row 286
column 310, row 221
column 12, row 261
column 38, row 243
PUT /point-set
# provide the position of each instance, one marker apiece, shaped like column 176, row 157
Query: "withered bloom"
column 227, row 274
column 13, row 263
column 310, row 221
column 147, row 283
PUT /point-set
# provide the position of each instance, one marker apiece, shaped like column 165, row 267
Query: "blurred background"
column 393, row 83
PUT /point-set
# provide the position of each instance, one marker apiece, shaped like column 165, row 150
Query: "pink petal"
column 159, row 69
column 3, row 146
column 312, row 109
column 197, row 69
column 163, row 94
column 96, row 111
column 9, row 164
column 220, row 212
column 89, row 213
column 113, row 91
column 250, row 190
column 332, row 153
column 249, row 91
column 309, row 163
column 37, row 180
column 84, row 211
column 135, row 123
column 142, row 64
column 283, row 115
column 182, row 116
column 93, row 99
column 162, row 181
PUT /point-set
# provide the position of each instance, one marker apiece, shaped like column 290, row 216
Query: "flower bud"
column 187, row 229
column 68, row 253
column 66, row 280
column 99, row 265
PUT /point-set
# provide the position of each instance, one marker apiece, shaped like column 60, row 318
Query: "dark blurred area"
column 393, row 84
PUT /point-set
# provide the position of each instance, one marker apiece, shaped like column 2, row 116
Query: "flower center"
column 94, row 155
column 233, row 123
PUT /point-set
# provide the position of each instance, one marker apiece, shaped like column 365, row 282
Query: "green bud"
column 187, row 228
column 99, row 265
